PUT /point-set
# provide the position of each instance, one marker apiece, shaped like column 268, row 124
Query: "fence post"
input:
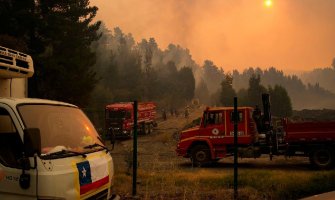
column 236, row 119
column 135, row 149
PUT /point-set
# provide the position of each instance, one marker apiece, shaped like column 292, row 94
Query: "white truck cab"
column 48, row 149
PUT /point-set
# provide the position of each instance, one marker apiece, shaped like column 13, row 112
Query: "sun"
column 268, row 3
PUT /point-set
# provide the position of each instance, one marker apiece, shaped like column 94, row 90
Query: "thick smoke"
column 292, row 35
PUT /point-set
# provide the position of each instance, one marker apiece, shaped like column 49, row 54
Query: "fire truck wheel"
column 322, row 158
column 200, row 155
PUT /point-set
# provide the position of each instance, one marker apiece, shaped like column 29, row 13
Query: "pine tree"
column 186, row 84
column 149, row 82
column 280, row 102
column 58, row 35
column 255, row 91
column 64, row 70
column 213, row 75
column 201, row 92
column 227, row 93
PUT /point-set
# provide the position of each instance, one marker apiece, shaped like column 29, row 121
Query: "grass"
column 163, row 175
column 195, row 183
column 163, row 137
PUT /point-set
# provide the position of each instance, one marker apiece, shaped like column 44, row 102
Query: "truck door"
column 214, row 125
column 243, row 135
column 241, row 123
column 11, row 148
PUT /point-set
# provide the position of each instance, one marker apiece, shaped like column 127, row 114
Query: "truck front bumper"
column 119, row 133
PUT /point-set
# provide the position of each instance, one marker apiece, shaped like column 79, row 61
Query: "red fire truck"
column 213, row 138
column 120, row 118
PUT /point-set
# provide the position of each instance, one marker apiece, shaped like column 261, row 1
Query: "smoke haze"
column 292, row 35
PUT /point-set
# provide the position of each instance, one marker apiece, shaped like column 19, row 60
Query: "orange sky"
column 292, row 35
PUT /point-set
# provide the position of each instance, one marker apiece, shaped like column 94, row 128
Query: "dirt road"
column 157, row 148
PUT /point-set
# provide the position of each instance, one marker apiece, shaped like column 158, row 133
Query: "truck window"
column 10, row 141
column 214, row 118
column 60, row 126
column 118, row 114
column 6, row 123
column 240, row 116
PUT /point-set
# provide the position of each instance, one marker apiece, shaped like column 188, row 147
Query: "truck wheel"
column 200, row 155
column 322, row 158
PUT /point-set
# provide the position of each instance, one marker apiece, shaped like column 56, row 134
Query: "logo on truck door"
column 215, row 131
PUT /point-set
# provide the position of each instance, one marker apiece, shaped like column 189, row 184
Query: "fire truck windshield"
column 119, row 114
column 61, row 127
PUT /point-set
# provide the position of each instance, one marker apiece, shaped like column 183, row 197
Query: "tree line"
column 140, row 71
column 322, row 76
column 58, row 35
column 309, row 96
column 81, row 61
column 281, row 105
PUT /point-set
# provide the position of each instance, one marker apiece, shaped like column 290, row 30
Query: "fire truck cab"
column 120, row 118
column 257, row 134
column 214, row 138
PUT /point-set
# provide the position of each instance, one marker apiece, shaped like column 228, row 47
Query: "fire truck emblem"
column 215, row 131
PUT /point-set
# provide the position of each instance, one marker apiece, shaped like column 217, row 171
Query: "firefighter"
column 164, row 114
column 186, row 112
column 171, row 112
column 176, row 113
column 257, row 116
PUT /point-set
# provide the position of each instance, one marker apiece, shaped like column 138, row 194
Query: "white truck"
column 48, row 149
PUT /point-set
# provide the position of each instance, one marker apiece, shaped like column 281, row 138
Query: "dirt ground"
column 156, row 156
column 159, row 146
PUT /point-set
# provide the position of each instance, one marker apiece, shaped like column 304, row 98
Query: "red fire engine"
column 213, row 139
column 120, row 118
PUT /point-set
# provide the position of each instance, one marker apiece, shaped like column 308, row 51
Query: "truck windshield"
column 119, row 114
column 61, row 127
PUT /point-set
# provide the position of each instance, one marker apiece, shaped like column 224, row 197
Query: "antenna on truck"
column 14, row 64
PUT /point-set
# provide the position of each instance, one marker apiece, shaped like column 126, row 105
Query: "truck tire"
column 322, row 158
column 200, row 155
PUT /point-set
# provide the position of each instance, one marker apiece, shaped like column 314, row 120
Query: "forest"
column 79, row 60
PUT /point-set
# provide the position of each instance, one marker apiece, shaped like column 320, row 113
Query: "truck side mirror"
column 204, row 117
column 31, row 145
column 32, row 141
